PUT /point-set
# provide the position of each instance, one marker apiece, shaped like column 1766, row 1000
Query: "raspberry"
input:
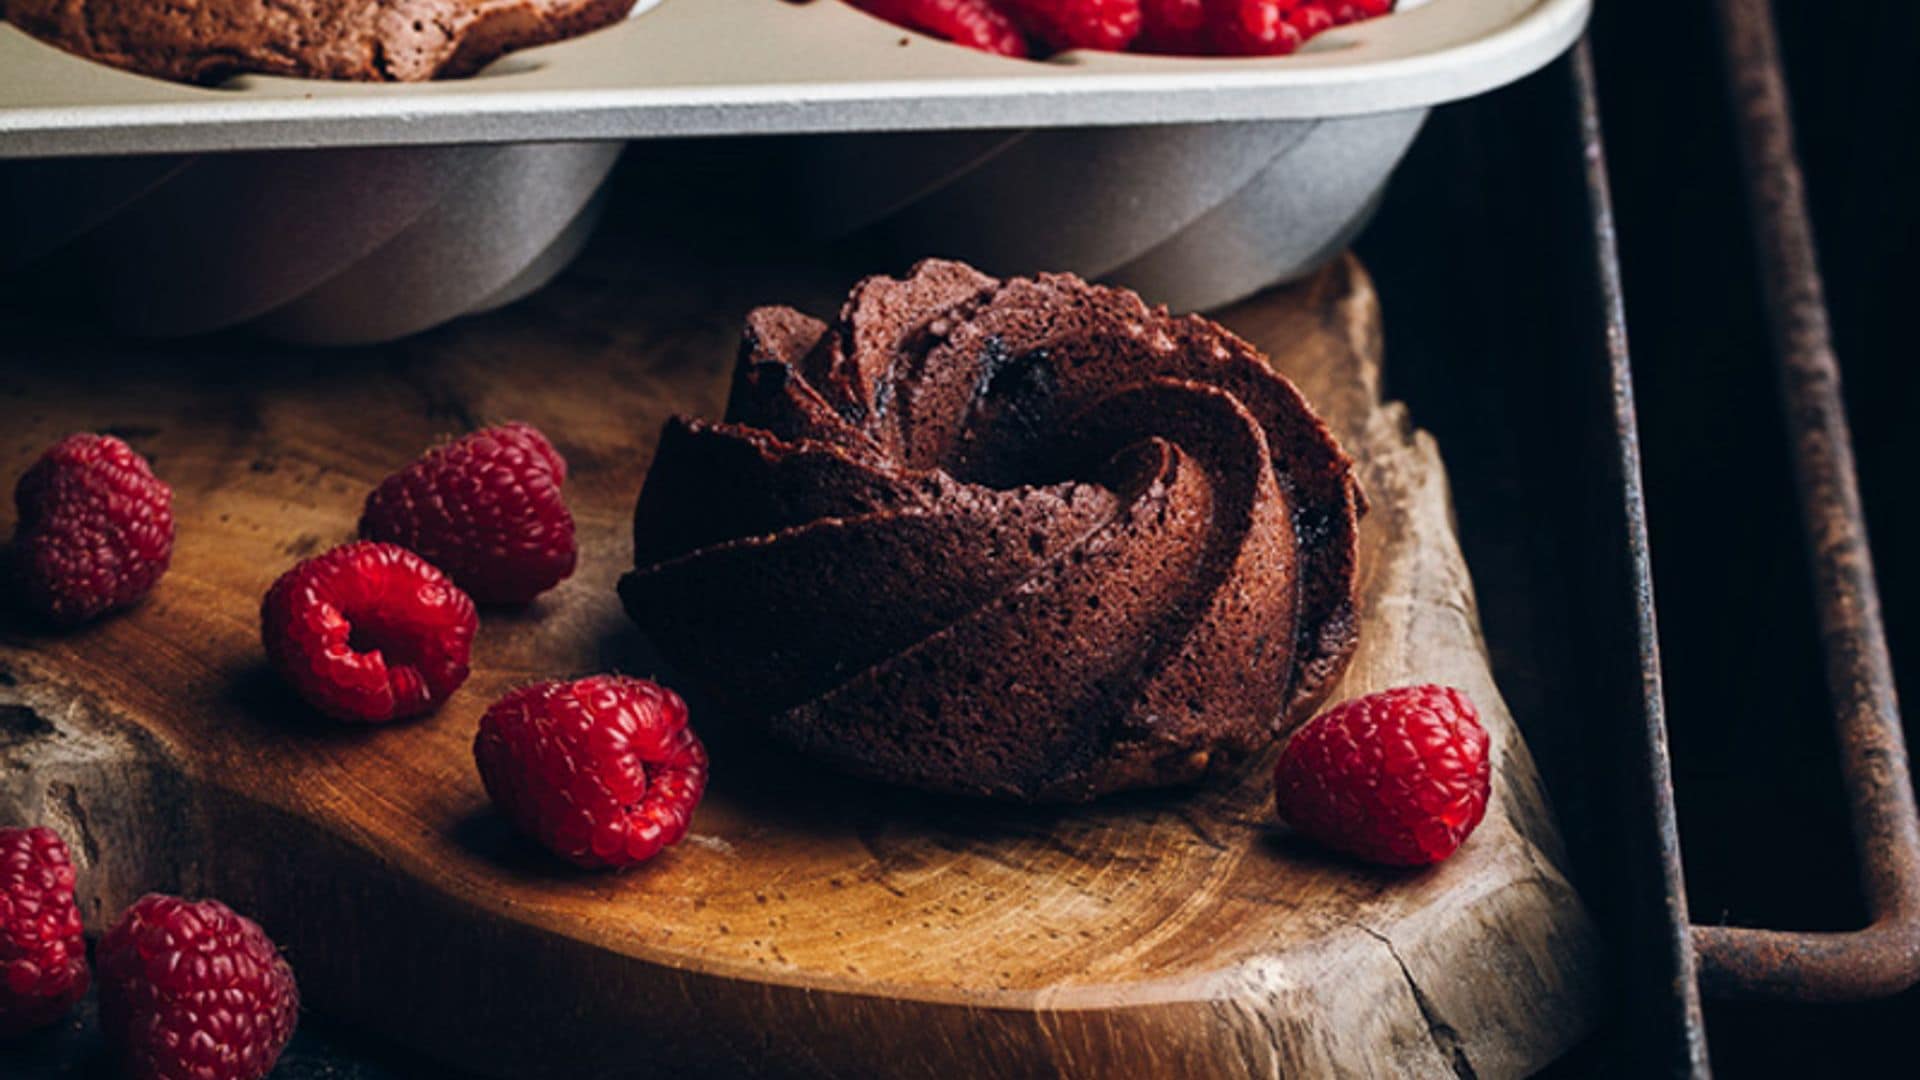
column 1173, row 26
column 603, row 771
column 369, row 632
column 193, row 991
column 1399, row 777
column 1310, row 18
column 486, row 509
column 95, row 530
column 43, row 957
column 977, row 23
column 1344, row 13
column 1110, row 25
column 1252, row 27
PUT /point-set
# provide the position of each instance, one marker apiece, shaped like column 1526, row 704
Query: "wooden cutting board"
column 810, row 924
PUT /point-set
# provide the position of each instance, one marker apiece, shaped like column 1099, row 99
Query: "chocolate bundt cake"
column 367, row 40
column 1028, row 539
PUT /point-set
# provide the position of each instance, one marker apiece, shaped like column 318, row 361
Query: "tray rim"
column 792, row 80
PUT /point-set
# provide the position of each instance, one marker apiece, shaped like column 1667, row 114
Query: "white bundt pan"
column 318, row 247
column 180, row 210
column 331, row 247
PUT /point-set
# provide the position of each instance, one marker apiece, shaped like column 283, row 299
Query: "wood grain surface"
column 810, row 924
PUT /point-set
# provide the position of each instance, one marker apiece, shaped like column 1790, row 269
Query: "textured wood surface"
column 810, row 924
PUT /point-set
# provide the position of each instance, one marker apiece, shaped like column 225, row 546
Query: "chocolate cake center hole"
column 1010, row 422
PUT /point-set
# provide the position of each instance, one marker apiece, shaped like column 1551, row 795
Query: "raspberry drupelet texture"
column 1253, row 27
column 486, row 509
column 369, row 632
column 194, row 991
column 1173, row 26
column 975, row 23
column 43, row 957
column 1108, row 25
column 603, row 770
column 1310, row 19
column 1167, row 27
column 1399, row 777
column 95, row 529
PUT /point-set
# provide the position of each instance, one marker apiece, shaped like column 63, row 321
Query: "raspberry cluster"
column 189, row 990
column 602, row 770
column 368, row 632
column 1023, row 28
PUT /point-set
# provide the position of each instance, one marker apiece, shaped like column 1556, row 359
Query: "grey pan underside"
column 338, row 247
column 1194, row 216
column 361, row 213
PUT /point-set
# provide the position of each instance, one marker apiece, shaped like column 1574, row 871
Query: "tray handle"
column 1883, row 958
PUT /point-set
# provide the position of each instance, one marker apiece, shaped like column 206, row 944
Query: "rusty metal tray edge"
column 1691, row 961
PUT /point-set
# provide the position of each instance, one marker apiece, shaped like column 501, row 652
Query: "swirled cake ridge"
column 1028, row 539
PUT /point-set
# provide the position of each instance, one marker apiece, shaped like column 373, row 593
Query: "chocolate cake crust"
column 1027, row 539
column 205, row 41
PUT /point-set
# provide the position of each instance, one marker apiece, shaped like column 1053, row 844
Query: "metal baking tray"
column 1882, row 957
column 761, row 67
column 1615, row 781
column 341, row 213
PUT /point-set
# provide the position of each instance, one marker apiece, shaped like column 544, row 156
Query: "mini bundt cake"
column 367, row 40
column 1027, row 539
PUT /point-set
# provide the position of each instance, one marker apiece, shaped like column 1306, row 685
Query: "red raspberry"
column 95, row 530
column 1173, row 26
column 193, row 991
column 603, row 771
column 977, row 23
column 1110, row 25
column 1252, row 27
column 1310, row 18
column 1344, row 13
column 369, row 632
column 486, row 509
column 1398, row 777
column 43, row 957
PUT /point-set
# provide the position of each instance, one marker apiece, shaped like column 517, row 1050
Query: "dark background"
column 1490, row 337
column 1763, row 824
